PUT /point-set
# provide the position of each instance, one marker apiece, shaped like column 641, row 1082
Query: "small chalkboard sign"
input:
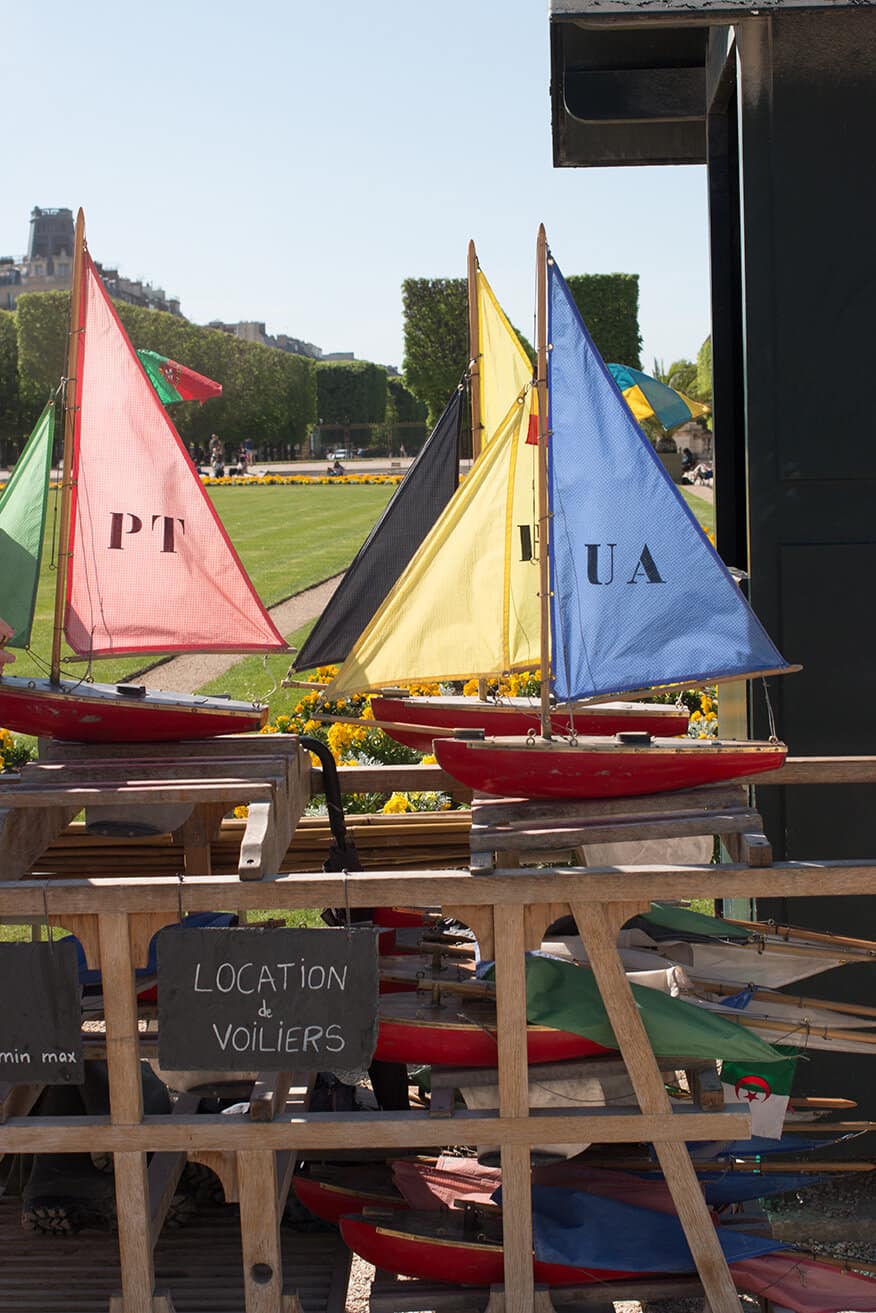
column 40, row 1015
column 248, row 999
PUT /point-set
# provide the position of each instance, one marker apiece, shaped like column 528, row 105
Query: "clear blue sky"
column 293, row 160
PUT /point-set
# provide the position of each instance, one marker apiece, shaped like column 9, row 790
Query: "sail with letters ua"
column 638, row 594
column 632, row 592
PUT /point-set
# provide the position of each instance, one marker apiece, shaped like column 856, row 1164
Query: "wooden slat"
column 513, row 1076
column 596, row 885
column 333, row 1132
column 598, row 929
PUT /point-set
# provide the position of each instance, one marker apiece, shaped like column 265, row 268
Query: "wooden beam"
column 379, row 1130
column 513, row 1074
column 598, row 927
column 596, row 886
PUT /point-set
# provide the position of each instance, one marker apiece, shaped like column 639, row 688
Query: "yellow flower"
column 430, row 759
column 696, row 715
column 470, row 688
column 241, row 812
column 397, row 803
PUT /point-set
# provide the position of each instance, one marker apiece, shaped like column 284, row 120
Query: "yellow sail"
column 467, row 604
column 505, row 368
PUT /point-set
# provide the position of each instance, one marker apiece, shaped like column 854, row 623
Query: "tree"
column 704, row 372
column 609, row 305
column 681, row 375
column 10, row 408
column 436, row 338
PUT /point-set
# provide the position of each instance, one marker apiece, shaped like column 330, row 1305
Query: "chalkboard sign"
column 266, row 1000
column 40, row 1015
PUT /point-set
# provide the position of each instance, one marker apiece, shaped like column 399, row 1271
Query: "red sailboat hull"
column 601, row 768
column 470, row 1263
column 519, row 716
column 331, row 1202
column 99, row 713
column 413, row 1031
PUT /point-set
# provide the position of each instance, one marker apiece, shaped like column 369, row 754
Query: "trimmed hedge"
column 436, row 338
column 350, row 392
column 268, row 395
column 609, row 305
column 10, row 408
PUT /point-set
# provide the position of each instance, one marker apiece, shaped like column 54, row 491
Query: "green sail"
column 22, row 521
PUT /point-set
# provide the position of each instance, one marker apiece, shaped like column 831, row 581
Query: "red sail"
column 152, row 569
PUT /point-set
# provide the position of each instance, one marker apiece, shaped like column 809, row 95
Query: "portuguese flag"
column 174, row 382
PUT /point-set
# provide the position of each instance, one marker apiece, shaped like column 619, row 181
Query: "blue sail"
column 638, row 594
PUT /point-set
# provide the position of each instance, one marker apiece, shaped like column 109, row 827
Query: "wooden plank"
column 108, row 893
column 164, row 1171
column 112, row 795
column 378, row 1130
column 126, row 1106
column 135, row 1239
column 705, row 1087
column 513, row 1076
column 598, row 928
column 260, row 1231
column 577, row 1069
column 17, row 1100
column 522, row 813
column 669, row 827
column 257, row 855
column 269, row 1095
column 24, row 836
column 595, row 886
column 400, row 1296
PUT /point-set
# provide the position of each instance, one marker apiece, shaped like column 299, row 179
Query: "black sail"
column 421, row 497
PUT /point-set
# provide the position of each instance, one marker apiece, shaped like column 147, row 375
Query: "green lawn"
column 702, row 509
column 287, row 537
column 251, row 681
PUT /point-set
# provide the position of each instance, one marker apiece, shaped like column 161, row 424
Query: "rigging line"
column 769, row 707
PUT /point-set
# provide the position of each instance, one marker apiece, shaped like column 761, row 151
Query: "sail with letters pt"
column 151, row 566
column 421, row 497
column 22, row 521
column 638, row 594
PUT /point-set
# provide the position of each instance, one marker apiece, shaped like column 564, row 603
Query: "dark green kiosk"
column 779, row 101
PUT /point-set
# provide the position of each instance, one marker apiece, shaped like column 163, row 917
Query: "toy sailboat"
column 620, row 584
column 144, row 563
column 487, row 540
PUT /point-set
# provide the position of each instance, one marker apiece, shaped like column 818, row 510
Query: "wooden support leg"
column 260, row 1234
column 598, row 926
column 509, row 943
column 133, row 1209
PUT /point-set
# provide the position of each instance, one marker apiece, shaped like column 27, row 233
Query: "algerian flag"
column 764, row 1089
column 175, row 382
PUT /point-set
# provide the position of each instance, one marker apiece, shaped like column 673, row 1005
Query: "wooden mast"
column 71, row 389
column 541, row 258
column 474, row 382
column 474, row 353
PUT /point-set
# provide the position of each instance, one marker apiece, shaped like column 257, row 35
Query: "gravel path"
column 185, row 674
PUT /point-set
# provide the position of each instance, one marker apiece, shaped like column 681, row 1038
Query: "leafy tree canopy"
column 436, row 338
column 350, row 392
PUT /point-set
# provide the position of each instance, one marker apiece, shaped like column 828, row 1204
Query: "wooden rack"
column 115, row 918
